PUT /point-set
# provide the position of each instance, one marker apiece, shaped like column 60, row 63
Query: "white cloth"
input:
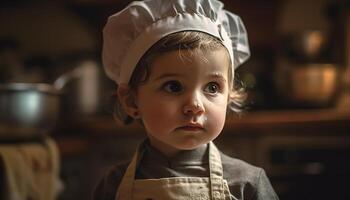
column 129, row 33
column 212, row 187
column 31, row 171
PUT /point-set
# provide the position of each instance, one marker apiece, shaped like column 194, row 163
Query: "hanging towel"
column 30, row 171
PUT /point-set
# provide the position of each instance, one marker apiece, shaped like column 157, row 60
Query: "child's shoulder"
column 107, row 186
column 117, row 171
column 236, row 170
column 246, row 181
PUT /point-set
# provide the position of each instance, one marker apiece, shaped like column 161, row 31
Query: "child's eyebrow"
column 164, row 76
column 215, row 75
column 218, row 75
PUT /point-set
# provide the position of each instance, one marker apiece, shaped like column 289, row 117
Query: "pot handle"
column 76, row 73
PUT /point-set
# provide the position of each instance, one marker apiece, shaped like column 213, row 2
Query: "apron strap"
column 126, row 185
column 216, row 173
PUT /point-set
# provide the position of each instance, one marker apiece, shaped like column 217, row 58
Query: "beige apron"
column 212, row 187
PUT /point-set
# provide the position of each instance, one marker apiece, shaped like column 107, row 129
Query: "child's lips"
column 192, row 127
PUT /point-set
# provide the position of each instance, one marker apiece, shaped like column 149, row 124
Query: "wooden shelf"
column 250, row 121
column 290, row 116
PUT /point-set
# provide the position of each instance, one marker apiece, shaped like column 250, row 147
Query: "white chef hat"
column 129, row 33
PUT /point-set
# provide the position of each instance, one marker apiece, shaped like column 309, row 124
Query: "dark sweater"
column 244, row 180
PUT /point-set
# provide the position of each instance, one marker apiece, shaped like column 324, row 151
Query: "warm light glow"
column 313, row 43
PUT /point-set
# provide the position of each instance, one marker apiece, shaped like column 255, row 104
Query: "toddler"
column 173, row 62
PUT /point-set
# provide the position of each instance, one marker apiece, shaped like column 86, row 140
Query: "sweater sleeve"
column 264, row 190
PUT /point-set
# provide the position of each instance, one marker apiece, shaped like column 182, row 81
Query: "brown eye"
column 212, row 88
column 173, row 87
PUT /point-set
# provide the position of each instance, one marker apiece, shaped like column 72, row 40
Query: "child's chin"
column 190, row 145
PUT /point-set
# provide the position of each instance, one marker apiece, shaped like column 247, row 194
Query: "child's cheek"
column 216, row 118
column 157, row 117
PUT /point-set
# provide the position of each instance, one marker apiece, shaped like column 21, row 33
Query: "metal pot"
column 308, row 85
column 30, row 109
column 27, row 110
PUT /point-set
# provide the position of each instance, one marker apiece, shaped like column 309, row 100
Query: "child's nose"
column 194, row 107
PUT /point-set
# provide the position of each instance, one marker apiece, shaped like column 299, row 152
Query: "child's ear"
column 127, row 99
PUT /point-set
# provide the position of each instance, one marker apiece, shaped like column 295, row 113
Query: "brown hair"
column 199, row 43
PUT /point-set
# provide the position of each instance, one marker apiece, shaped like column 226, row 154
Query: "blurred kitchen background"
column 296, row 126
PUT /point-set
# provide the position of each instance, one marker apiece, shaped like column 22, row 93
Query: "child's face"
column 183, row 103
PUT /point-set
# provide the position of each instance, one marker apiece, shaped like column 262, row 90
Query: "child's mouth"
column 192, row 128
